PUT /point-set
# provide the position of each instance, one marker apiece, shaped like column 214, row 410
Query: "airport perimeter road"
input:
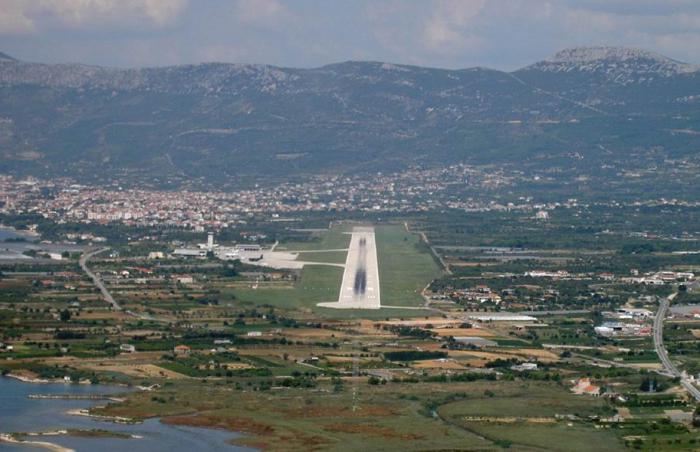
column 604, row 363
column 360, row 286
column 96, row 279
column 670, row 368
column 557, row 312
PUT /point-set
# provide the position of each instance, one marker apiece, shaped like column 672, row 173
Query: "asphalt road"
column 557, row 312
column 669, row 367
column 693, row 286
column 96, row 279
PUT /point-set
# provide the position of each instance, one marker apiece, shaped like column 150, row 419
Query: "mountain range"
column 230, row 124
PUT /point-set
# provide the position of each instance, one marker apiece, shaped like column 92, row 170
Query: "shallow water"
column 14, row 250
column 18, row 413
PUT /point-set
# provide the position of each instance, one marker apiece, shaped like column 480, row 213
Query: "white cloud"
column 448, row 29
column 14, row 18
column 426, row 31
column 582, row 20
column 23, row 16
column 262, row 12
column 447, row 33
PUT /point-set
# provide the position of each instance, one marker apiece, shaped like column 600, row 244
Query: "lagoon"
column 19, row 413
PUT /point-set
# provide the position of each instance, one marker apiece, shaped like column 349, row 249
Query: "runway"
column 360, row 286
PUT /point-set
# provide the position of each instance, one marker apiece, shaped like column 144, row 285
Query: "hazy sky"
column 503, row 34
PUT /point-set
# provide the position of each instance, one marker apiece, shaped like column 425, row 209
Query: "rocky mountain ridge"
column 619, row 65
column 214, row 77
column 228, row 121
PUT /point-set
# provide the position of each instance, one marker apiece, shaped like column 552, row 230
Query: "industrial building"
column 220, row 252
column 502, row 317
column 248, row 247
column 190, row 252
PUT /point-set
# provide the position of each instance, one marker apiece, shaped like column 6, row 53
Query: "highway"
column 96, row 279
column 669, row 367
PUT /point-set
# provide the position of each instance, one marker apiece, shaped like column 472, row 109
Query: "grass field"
column 532, row 401
column 333, row 257
column 524, row 417
column 558, row 436
column 405, row 267
column 335, row 238
column 317, row 283
column 387, row 417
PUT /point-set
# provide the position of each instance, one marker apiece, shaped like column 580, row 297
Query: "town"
column 251, row 306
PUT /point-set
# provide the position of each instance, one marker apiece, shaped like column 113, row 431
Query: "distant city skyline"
column 501, row 34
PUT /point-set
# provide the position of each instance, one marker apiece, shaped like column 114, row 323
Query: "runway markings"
column 360, row 287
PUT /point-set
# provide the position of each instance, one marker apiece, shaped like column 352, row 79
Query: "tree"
column 696, row 417
column 229, row 271
column 649, row 385
column 65, row 315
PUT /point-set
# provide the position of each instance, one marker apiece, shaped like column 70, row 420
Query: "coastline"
column 8, row 438
column 116, row 419
column 44, row 381
column 21, row 233
column 143, row 430
column 24, row 379
column 76, row 397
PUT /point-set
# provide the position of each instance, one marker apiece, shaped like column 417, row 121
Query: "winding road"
column 669, row 367
column 96, row 279
column 105, row 293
